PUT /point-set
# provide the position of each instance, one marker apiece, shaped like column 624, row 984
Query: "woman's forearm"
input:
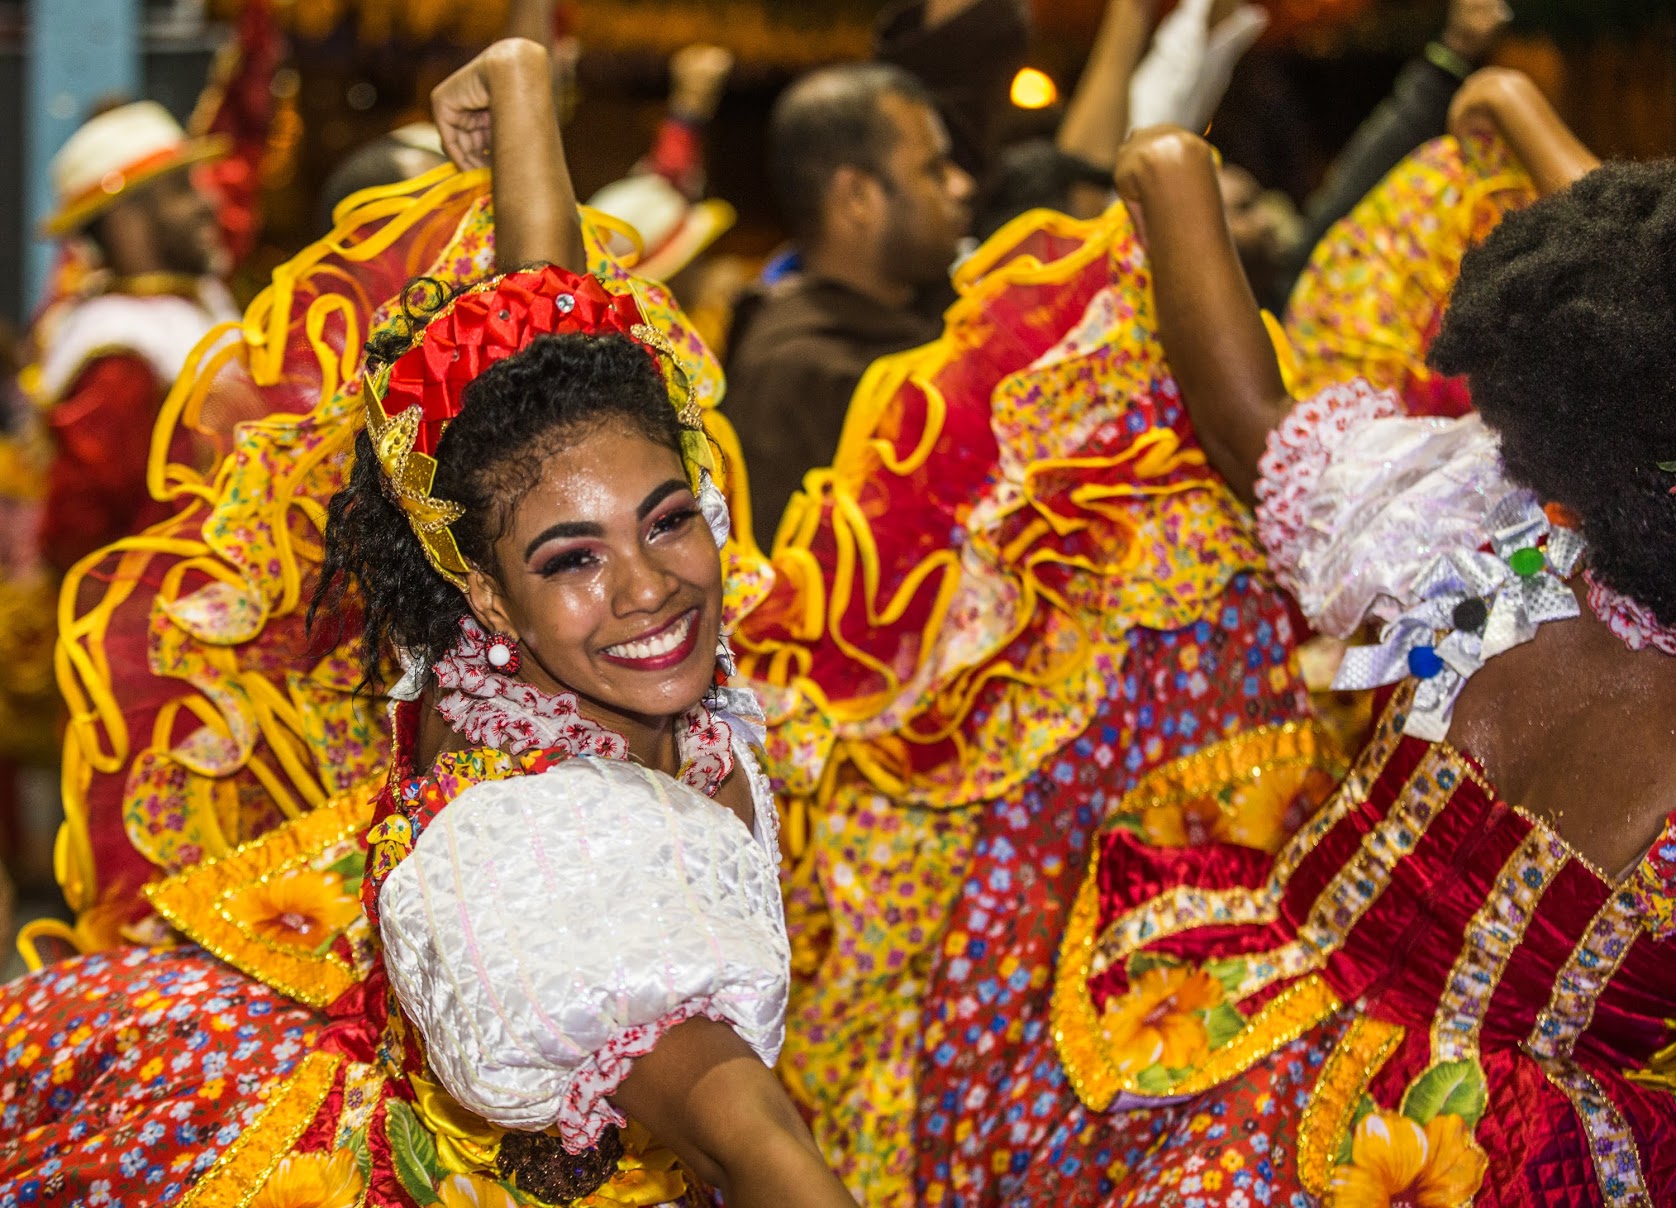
column 710, row 1099
column 1512, row 103
column 535, row 202
column 1208, row 321
column 1098, row 116
column 1551, row 153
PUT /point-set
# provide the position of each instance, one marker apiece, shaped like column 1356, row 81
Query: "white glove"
column 1181, row 80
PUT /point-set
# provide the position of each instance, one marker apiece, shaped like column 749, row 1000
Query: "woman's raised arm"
column 498, row 111
column 1208, row 321
column 1511, row 105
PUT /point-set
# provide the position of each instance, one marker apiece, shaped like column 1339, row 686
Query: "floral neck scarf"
column 494, row 710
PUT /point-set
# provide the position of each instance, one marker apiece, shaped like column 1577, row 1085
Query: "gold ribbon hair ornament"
column 412, row 399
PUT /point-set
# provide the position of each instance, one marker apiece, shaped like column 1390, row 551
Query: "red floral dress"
column 277, row 1075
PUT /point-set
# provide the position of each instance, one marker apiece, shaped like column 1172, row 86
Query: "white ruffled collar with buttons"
column 1470, row 605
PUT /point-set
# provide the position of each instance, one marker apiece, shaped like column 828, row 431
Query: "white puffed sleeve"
column 548, row 929
column 1356, row 499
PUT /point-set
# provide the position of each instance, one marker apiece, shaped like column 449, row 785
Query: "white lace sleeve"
column 547, row 930
column 1355, row 500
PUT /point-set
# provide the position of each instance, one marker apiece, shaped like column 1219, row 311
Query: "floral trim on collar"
column 493, row 710
column 1633, row 622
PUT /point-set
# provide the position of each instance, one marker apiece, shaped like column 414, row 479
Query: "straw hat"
column 672, row 229
column 115, row 152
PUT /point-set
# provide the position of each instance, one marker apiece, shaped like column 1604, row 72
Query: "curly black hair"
column 513, row 417
column 1564, row 320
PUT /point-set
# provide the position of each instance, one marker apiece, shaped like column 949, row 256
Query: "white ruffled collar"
column 1634, row 624
column 490, row 709
column 1467, row 607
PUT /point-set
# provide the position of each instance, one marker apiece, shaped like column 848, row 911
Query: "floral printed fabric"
column 924, row 939
column 1233, row 1147
column 994, row 1103
column 1372, row 299
column 125, row 1075
column 1654, row 884
column 1049, row 594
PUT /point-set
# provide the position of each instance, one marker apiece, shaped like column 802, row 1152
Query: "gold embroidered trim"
column 1284, row 1018
column 1548, row 827
column 1082, row 1049
column 1492, row 936
column 1076, row 1024
column 1583, row 978
column 1612, row 1147
column 1177, row 909
column 1363, row 1050
column 240, row 1172
column 195, row 901
column 1241, row 760
column 1363, row 879
column 1085, row 952
column 1185, row 908
column 363, row 1083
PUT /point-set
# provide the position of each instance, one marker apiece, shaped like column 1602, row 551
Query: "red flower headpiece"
column 411, row 401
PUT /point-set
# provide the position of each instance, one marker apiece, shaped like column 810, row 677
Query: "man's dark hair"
column 829, row 120
column 1034, row 175
column 1564, row 321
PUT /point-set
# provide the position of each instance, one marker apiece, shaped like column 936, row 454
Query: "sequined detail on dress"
column 1611, row 1143
column 1492, row 937
column 1583, row 977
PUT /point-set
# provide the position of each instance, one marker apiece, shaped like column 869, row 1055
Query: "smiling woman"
column 530, row 532
column 525, row 473
column 579, row 540
column 565, row 915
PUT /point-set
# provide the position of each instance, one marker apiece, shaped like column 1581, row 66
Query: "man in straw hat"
column 150, row 219
column 109, row 352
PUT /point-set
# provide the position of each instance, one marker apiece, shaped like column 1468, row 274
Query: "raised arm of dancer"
column 1098, row 116
column 710, row 1099
column 1510, row 103
column 937, row 12
column 498, row 109
column 532, row 19
column 1208, row 321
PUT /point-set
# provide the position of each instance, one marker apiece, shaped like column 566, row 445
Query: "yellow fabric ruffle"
column 1162, row 550
column 1369, row 301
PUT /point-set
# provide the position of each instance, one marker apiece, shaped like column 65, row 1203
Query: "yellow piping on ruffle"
column 246, row 1165
column 1481, row 180
column 869, row 728
column 98, row 741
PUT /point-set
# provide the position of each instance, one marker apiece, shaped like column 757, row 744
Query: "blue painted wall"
column 76, row 52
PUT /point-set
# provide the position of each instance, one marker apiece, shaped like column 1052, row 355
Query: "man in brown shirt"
column 876, row 188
